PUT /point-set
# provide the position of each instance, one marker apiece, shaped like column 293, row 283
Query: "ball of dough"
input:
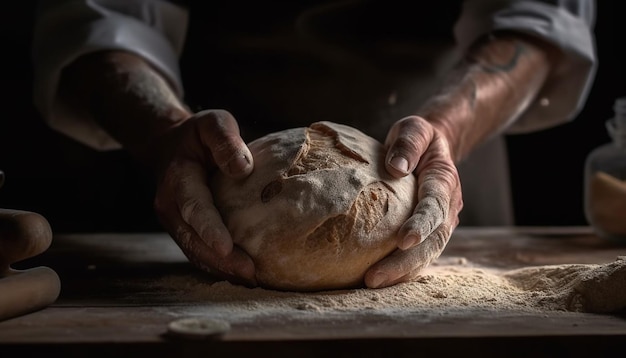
column 319, row 208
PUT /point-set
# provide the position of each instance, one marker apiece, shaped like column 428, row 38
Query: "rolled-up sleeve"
column 67, row 29
column 566, row 24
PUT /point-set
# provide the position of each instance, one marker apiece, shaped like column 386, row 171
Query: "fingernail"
column 379, row 279
column 238, row 164
column 409, row 241
column 400, row 163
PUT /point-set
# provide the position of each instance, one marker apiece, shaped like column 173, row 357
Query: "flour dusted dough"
column 319, row 208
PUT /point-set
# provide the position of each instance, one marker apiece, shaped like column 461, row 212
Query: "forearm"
column 127, row 97
column 494, row 83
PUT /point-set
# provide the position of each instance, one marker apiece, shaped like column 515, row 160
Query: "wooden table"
column 106, row 309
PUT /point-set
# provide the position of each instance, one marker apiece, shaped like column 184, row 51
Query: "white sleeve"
column 67, row 29
column 568, row 25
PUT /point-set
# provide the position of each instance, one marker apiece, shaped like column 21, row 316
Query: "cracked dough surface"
column 319, row 208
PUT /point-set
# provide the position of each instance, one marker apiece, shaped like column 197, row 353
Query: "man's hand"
column 136, row 105
column 416, row 146
column 206, row 142
column 497, row 80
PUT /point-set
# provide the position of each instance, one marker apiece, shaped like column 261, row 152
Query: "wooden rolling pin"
column 23, row 235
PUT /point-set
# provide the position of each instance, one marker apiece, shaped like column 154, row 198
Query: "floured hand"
column 206, row 142
column 416, row 146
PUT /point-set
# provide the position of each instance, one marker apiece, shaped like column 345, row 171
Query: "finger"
column 203, row 250
column 186, row 187
column 405, row 265
column 237, row 266
column 430, row 212
column 438, row 182
column 407, row 140
column 219, row 131
column 23, row 234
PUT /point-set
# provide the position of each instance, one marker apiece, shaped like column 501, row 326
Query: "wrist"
column 449, row 115
column 127, row 97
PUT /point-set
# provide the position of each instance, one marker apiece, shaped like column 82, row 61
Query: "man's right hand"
column 137, row 106
column 207, row 141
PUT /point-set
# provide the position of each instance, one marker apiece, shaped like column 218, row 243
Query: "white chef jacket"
column 156, row 30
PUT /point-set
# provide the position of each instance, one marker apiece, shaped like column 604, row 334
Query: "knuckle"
column 442, row 177
column 412, row 139
column 411, row 122
column 184, row 239
column 406, row 143
column 438, row 240
column 226, row 145
column 189, row 208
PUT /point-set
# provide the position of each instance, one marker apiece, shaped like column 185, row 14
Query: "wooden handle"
column 27, row 291
column 23, row 234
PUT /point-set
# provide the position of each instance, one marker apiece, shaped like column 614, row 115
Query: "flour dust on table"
column 449, row 284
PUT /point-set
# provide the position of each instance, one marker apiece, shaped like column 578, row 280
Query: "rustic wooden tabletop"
column 109, row 306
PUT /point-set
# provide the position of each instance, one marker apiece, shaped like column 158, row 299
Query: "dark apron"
column 275, row 66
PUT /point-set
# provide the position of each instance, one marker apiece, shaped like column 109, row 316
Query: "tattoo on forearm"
column 488, row 88
column 520, row 49
column 492, row 63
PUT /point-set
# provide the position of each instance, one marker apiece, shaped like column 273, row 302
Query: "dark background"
column 547, row 167
column 55, row 176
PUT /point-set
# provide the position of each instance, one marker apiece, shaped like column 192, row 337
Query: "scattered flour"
column 448, row 284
